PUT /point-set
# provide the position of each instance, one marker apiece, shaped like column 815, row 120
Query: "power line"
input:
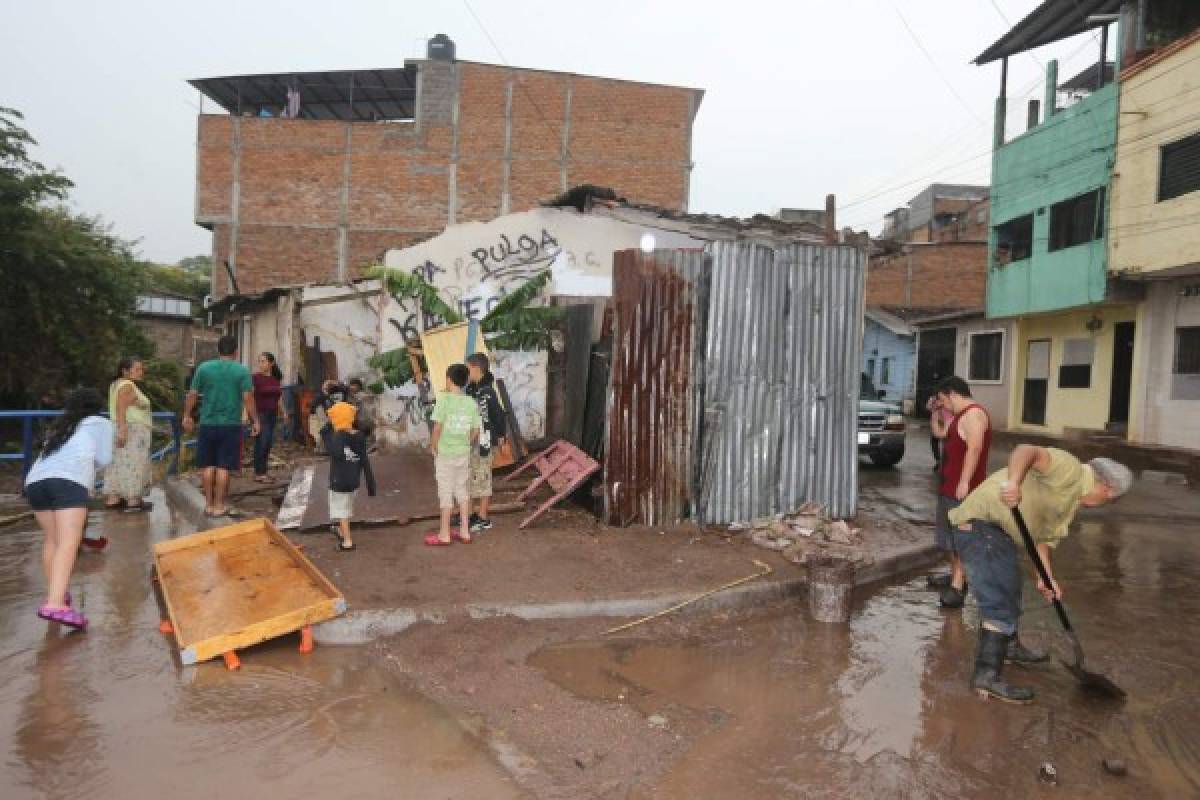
column 553, row 129
column 934, row 63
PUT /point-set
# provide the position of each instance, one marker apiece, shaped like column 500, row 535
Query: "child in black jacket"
column 495, row 426
column 348, row 462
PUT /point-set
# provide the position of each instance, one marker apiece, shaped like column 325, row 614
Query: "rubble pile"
column 806, row 533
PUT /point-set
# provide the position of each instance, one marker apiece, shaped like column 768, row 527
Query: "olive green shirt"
column 1049, row 499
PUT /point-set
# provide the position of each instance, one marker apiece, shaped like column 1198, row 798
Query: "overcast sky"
column 802, row 98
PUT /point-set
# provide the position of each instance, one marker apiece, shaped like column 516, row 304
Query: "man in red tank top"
column 964, row 466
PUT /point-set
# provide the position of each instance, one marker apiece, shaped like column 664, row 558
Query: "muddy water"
column 111, row 714
column 777, row 706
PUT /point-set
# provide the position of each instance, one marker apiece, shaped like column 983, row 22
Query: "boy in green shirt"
column 456, row 425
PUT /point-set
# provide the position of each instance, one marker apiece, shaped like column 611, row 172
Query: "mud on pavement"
column 768, row 704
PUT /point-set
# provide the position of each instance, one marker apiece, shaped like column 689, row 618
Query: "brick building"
column 312, row 176
column 939, row 276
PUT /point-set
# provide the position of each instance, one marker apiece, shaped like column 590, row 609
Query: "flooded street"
column 111, row 714
column 785, row 707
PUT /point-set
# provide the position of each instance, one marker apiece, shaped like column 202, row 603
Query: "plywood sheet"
column 239, row 585
column 445, row 346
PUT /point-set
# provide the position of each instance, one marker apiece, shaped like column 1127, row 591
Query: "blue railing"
column 26, row 454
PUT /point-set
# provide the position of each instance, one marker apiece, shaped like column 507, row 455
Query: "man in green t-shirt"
column 226, row 389
column 1049, row 485
column 456, row 424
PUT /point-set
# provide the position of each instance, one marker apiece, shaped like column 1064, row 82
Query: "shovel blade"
column 1094, row 683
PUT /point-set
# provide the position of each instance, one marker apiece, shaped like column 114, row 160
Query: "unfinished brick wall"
column 297, row 200
column 949, row 275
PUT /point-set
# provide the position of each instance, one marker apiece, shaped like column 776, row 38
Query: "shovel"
column 1091, row 681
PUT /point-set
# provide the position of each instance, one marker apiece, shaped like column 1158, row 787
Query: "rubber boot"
column 953, row 598
column 988, row 680
column 1018, row 653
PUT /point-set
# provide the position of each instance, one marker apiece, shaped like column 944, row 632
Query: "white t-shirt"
column 91, row 446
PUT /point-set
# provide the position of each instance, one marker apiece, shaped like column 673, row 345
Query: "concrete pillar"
column 1051, row 88
column 1031, row 116
column 831, row 236
column 506, row 161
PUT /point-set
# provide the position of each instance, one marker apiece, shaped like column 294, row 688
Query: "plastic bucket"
column 830, row 581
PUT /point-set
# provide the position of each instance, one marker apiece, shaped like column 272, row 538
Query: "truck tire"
column 888, row 459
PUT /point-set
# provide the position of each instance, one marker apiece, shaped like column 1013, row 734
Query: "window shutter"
column 1179, row 171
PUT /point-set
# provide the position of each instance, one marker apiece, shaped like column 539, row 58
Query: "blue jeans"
column 262, row 444
column 992, row 564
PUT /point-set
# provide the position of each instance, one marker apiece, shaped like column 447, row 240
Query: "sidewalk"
column 566, row 566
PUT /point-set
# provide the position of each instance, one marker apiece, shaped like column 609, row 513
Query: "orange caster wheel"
column 231, row 660
column 166, row 627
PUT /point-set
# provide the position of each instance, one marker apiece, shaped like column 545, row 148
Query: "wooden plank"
column 315, row 574
column 203, row 538
column 237, row 586
column 259, row 632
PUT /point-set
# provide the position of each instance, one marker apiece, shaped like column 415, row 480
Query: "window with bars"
column 1179, row 168
column 1187, row 350
column 984, row 355
column 1077, row 221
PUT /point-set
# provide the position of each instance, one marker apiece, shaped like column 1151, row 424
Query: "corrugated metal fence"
column 763, row 414
column 653, row 400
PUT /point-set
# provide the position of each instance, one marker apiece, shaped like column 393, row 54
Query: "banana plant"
column 512, row 324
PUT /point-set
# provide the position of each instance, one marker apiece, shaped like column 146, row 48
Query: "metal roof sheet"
column 1052, row 21
column 365, row 94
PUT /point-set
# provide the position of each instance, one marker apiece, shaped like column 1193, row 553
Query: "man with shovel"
column 1049, row 486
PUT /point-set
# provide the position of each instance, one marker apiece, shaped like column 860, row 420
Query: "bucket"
column 830, row 581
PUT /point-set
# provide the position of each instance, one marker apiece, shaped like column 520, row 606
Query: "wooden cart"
column 239, row 585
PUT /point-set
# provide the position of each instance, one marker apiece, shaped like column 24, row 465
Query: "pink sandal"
column 432, row 540
column 64, row 616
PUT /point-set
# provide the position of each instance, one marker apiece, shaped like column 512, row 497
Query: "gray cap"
column 1113, row 474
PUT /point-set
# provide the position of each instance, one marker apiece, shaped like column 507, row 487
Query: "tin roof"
column 1052, row 21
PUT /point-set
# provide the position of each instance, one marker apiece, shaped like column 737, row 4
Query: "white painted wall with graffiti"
column 476, row 264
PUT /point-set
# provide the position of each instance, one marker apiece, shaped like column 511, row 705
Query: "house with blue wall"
column 889, row 355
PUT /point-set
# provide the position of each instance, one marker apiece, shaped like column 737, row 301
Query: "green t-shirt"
column 459, row 414
column 221, row 383
column 1049, row 499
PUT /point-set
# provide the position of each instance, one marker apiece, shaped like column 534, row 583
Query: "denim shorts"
column 219, row 446
column 992, row 564
column 56, row 494
column 942, row 526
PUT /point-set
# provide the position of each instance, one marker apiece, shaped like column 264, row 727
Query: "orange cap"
column 342, row 416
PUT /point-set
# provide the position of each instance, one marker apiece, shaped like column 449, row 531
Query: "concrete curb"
column 188, row 501
column 362, row 627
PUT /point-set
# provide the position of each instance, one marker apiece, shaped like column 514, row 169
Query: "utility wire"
column 921, row 45
column 557, row 131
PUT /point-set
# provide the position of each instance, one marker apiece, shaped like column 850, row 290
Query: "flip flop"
column 342, row 547
column 64, row 616
column 458, row 537
column 432, row 540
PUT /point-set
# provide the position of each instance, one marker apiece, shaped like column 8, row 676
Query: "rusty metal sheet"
column 650, row 444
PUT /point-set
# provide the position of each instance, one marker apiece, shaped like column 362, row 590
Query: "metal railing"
column 26, row 454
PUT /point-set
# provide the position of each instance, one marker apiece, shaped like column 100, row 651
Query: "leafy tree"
column 197, row 265
column 512, row 323
column 69, row 284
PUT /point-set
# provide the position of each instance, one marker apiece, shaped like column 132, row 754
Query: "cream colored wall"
column 1159, row 105
column 1070, row 408
column 992, row 396
column 1163, row 420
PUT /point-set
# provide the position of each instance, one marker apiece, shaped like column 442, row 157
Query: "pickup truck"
column 880, row 426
